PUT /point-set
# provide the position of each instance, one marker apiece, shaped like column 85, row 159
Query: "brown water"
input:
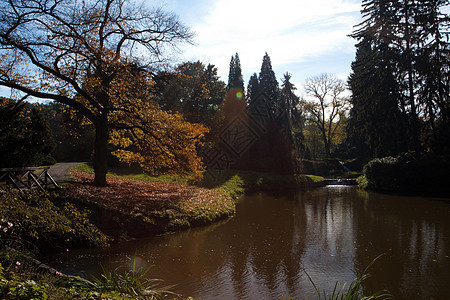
column 332, row 233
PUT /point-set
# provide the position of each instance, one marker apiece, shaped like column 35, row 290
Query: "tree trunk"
column 414, row 118
column 101, row 150
column 326, row 143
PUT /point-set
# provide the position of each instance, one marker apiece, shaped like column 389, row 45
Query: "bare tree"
column 327, row 106
column 74, row 52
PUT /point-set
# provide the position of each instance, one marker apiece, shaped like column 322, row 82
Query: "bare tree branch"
column 328, row 103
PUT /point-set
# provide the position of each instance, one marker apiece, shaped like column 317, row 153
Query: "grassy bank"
column 35, row 223
column 231, row 182
column 24, row 278
column 235, row 182
column 136, row 204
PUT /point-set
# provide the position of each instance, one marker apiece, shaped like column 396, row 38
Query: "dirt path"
column 60, row 172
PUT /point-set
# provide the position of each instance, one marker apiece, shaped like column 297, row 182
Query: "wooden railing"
column 28, row 178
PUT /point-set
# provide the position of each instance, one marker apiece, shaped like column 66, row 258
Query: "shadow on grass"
column 231, row 182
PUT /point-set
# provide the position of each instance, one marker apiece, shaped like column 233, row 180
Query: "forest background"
column 398, row 103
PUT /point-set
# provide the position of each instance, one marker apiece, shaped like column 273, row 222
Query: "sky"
column 302, row 37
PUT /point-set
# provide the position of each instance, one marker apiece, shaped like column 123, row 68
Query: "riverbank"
column 134, row 205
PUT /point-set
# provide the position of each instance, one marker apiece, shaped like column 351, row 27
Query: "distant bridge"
column 28, row 178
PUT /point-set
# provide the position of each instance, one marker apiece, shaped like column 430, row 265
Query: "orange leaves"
column 162, row 142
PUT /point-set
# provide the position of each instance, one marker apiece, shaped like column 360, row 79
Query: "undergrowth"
column 33, row 220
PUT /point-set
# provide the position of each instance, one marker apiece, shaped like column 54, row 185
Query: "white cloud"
column 290, row 31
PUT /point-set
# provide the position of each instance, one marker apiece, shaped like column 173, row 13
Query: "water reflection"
column 415, row 234
column 262, row 253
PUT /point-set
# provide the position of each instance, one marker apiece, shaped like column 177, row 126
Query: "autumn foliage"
column 83, row 54
column 159, row 141
column 163, row 142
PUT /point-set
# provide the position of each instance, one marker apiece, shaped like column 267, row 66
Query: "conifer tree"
column 235, row 74
column 416, row 35
column 268, row 85
column 433, row 65
column 376, row 125
column 291, row 117
column 253, row 89
column 288, row 103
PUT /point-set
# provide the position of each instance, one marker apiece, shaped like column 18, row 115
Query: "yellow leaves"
column 163, row 142
column 118, row 138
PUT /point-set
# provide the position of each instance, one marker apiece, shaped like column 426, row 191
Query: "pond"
column 266, row 249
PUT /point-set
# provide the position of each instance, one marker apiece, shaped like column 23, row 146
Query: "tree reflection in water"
column 333, row 233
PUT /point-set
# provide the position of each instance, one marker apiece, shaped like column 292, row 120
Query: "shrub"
column 362, row 182
column 35, row 219
column 408, row 174
column 381, row 174
column 12, row 288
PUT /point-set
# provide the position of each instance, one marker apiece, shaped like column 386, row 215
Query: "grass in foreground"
column 134, row 282
column 21, row 280
column 354, row 291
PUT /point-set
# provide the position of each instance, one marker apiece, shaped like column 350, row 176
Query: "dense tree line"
column 25, row 135
column 84, row 56
column 400, row 79
column 195, row 91
column 264, row 121
column 145, row 113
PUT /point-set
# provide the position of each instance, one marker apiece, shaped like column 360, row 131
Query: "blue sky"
column 302, row 37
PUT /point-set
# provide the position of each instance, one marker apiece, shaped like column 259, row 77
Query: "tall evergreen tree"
column 288, row 103
column 253, row 90
column 434, row 70
column 268, row 86
column 387, row 24
column 291, row 117
column 413, row 33
column 235, row 74
column 376, row 126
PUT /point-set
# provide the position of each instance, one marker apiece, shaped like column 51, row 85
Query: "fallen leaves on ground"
column 167, row 205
